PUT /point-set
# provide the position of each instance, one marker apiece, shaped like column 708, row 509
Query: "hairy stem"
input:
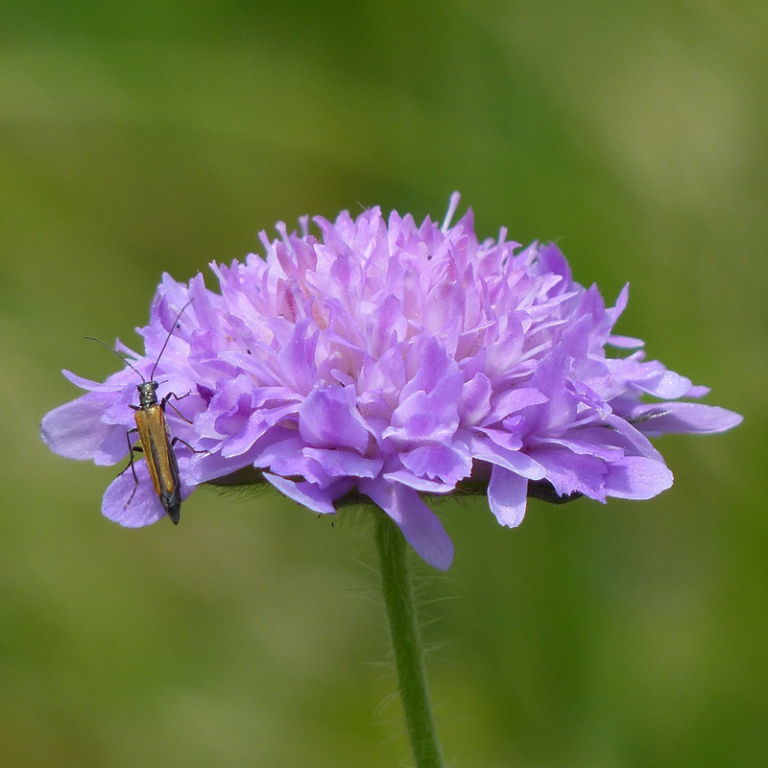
column 406, row 642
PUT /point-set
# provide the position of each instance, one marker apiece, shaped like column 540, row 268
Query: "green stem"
column 406, row 642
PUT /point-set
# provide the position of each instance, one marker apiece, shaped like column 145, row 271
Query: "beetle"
column 154, row 436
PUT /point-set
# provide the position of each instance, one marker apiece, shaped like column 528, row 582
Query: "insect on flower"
column 389, row 360
column 155, row 440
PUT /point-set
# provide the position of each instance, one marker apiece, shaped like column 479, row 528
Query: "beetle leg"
column 131, row 449
column 184, row 442
column 165, row 401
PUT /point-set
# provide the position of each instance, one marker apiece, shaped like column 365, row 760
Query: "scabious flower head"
column 386, row 359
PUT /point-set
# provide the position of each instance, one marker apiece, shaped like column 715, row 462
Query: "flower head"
column 387, row 359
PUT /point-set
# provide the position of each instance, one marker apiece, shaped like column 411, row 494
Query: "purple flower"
column 384, row 359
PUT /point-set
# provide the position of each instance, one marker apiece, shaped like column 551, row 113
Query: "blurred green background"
column 142, row 137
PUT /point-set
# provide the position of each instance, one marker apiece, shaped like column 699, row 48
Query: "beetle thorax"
column 147, row 393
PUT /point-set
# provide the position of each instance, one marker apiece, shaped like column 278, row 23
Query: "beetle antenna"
column 167, row 339
column 115, row 352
